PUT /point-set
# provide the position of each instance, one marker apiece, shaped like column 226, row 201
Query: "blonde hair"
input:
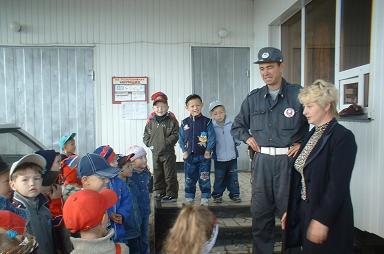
column 322, row 93
column 193, row 227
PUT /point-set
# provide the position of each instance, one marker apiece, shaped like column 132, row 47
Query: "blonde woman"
column 194, row 232
column 320, row 214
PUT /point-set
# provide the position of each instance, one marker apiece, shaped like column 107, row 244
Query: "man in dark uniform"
column 271, row 122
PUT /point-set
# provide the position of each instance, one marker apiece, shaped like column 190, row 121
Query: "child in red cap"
column 85, row 213
column 160, row 135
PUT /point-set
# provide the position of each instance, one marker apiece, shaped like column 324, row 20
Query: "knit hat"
column 137, row 152
column 85, row 209
column 159, row 96
column 94, row 164
column 106, row 152
column 49, row 176
column 69, row 168
column 64, row 139
column 29, row 158
column 12, row 221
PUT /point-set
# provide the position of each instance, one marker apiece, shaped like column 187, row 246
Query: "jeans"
column 197, row 168
column 226, row 178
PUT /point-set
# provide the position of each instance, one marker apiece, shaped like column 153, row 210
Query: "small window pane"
column 355, row 37
column 351, row 92
column 320, row 40
column 291, row 48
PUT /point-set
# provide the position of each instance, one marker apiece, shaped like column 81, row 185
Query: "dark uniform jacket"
column 327, row 174
column 278, row 123
column 161, row 135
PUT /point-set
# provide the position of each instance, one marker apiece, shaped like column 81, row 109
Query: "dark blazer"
column 327, row 172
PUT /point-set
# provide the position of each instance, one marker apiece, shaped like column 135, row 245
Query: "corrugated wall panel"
column 132, row 38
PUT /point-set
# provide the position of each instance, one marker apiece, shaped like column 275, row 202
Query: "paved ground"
column 245, row 191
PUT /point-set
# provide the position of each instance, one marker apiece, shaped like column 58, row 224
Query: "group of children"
column 100, row 202
column 200, row 139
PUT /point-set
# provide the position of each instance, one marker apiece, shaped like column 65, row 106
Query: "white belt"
column 274, row 150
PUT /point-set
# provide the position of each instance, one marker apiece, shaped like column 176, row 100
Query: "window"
column 291, row 48
column 320, row 40
column 333, row 44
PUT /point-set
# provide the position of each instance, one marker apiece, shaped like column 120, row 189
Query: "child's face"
column 70, row 146
column 5, row 189
column 27, row 182
column 194, row 107
column 160, row 108
column 56, row 163
column 94, row 182
column 218, row 114
column 140, row 163
column 127, row 169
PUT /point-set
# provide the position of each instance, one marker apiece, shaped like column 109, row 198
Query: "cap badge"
column 289, row 112
column 265, row 55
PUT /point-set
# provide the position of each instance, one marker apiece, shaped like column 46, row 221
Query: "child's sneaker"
column 217, row 200
column 189, row 201
column 236, row 199
column 159, row 196
column 168, row 199
column 204, row 202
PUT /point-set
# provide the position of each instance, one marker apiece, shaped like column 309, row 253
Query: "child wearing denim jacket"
column 197, row 141
column 224, row 156
column 140, row 179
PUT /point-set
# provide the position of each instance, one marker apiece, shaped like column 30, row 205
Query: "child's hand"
column 207, row 155
column 117, row 218
column 185, row 155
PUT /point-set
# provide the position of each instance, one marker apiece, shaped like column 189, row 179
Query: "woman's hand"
column 317, row 232
column 283, row 221
column 185, row 155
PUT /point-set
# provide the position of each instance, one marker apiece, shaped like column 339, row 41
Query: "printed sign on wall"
column 129, row 89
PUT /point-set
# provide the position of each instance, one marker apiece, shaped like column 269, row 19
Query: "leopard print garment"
column 303, row 156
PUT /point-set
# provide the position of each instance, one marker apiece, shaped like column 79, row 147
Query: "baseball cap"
column 31, row 158
column 94, row 164
column 159, row 96
column 137, row 152
column 12, row 221
column 123, row 159
column 106, row 152
column 214, row 104
column 85, row 209
column 64, row 139
column 269, row 55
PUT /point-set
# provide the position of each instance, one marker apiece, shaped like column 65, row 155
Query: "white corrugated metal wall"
column 131, row 38
column 367, row 186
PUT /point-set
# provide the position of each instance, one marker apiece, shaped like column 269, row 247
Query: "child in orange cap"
column 85, row 212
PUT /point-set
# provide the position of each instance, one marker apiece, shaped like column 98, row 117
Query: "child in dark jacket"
column 26, row 180
column 140, row 179
column 132, row 224
column 161, row 135
column 121, row 210
column 197, row 141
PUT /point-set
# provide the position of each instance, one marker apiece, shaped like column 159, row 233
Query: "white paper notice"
column 134, row 110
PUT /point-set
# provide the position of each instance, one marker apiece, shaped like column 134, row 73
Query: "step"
column 240, row 248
